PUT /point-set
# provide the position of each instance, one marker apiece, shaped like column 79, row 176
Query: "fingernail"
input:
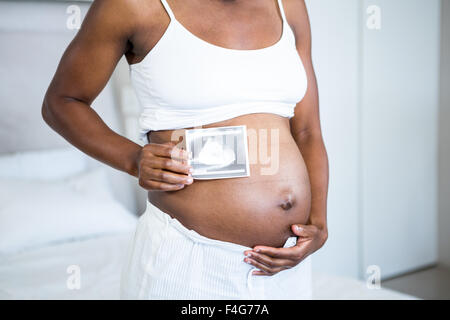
column 247, row 261
column 189, row 180
column 257, row 250
column 298, row 228
column 191, row 170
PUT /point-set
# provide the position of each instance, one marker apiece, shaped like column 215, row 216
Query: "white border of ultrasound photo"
column 235, row 170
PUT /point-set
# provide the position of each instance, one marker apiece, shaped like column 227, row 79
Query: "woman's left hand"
column 271, row 260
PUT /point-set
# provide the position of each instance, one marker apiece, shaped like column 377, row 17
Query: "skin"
column 294, row 203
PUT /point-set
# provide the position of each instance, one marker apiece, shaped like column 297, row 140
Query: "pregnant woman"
column 208, row 63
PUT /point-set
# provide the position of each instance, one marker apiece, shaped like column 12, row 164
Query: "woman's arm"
column 305, row 128
column 82, row 73
column 305, row 125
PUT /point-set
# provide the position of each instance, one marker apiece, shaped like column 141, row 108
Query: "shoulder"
column 125, row 7
column 125, row 15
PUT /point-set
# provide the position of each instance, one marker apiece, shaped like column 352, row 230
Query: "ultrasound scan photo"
column 218, row 153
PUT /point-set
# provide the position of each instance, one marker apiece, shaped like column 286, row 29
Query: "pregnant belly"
column 255, row 210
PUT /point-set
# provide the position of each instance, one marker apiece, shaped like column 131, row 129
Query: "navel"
column 287, row 201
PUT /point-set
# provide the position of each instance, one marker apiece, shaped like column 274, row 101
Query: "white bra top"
column 185, row 81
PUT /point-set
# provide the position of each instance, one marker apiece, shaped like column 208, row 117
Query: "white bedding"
column 42, row 273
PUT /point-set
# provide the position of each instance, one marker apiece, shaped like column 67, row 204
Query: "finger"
column 302, row 230
column 169, row 177
column 169, row 164
column 272, row 262
column 168, row 150
column 280, row 253
column 263, row 267
column 291, row 253
column 260, row 273
column 157, row 185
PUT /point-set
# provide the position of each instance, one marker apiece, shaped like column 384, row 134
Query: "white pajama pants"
column 168, row 261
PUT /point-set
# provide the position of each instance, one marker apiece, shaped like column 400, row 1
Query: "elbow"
column 324, row 236
column 48, row 110
column 45, row 111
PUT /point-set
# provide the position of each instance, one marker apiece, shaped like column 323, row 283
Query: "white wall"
column 399, row 136
column 378, row 97
column 444, row 140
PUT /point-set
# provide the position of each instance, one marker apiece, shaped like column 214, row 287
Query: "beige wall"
column 444, row 140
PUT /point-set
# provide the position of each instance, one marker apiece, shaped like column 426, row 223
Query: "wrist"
column 322, row 234
column 320, row 222
column 132, row 163
column 318, row 217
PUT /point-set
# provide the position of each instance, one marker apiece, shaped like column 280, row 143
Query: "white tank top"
column 185, row 81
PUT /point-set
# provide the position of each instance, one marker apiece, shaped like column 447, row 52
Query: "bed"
column 43, row 274
column 60, row 216
column 64, row 234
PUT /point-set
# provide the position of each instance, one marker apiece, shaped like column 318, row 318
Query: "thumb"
column 300, row 230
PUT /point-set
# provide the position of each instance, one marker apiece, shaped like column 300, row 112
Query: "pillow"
column 36, row 213
column 43, row 164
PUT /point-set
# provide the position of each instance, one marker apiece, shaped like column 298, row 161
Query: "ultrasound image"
column 218, row 153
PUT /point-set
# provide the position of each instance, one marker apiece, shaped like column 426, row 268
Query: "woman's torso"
column 254, row 210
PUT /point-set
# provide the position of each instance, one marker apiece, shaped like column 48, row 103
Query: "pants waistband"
column 192, row 234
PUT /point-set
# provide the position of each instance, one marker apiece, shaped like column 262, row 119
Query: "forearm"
column 80, row 125
column 315, row 156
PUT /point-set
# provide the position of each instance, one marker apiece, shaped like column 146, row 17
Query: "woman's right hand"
column 164, row 167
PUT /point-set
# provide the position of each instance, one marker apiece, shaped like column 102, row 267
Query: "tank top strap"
column 280, row 5
column 169, row 11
